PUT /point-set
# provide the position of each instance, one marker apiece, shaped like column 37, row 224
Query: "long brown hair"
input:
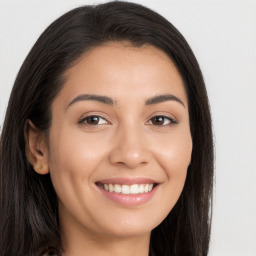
column 29, row 218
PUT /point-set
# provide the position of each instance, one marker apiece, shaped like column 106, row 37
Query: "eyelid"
column 82, row 120
column 172, row 120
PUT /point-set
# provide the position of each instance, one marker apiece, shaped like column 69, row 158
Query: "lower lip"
column 129, row 200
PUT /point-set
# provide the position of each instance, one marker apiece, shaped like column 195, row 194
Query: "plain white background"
column 222, row 35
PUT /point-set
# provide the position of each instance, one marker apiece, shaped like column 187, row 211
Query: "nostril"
column 130, row 155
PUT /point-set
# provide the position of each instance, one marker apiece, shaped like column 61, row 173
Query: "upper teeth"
column 128, row 189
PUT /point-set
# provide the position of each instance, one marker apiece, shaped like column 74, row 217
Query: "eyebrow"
column 163, row 98
column 109, row 101
column 103, row 99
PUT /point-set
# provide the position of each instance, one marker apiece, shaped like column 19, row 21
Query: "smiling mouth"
column 133, row 189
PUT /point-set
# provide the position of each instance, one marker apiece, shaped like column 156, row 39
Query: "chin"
column 131, row 226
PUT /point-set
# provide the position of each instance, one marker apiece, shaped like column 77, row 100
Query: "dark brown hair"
column 29, row 218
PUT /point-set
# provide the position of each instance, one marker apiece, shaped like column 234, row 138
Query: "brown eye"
column 93, row 120
column 161, row 120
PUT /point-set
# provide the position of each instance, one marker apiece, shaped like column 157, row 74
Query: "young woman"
column 106, row 147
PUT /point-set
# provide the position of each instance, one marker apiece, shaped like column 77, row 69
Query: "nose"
column 129, row 148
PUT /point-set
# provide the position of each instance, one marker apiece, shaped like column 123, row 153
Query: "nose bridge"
column 129, row 147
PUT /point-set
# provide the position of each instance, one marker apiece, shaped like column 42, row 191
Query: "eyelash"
column 85, row 120
column 170, row 120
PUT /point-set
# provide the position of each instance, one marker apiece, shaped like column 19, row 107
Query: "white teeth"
column 125, row 189
column 141, row 188
column 110, row 188
column 134, row 189
column 128, row 189
column 117, row 188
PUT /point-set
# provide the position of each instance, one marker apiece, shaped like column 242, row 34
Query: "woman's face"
column 120, row 123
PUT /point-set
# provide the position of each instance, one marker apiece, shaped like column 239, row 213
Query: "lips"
column 128, row 180
column 128, row 191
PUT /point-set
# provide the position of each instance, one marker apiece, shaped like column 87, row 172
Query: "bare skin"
column 108, row 125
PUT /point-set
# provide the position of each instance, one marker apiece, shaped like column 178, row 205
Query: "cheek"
column 75, row 153
column 174, row 152
column 73, row 160
column 174, row 156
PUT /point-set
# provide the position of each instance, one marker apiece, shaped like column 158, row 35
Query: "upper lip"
column 128, row 180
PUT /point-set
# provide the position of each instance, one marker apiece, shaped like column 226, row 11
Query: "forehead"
column 119, row 69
